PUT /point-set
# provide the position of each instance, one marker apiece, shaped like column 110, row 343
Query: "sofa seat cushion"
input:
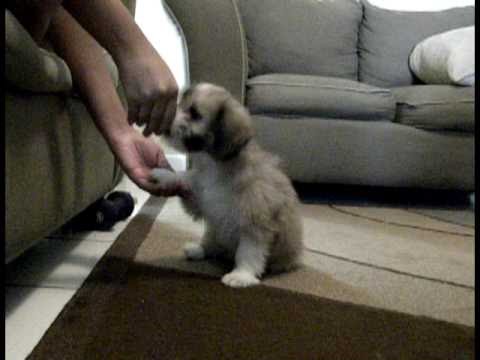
column 316, row 96
column 302, row 36
column 436, row 107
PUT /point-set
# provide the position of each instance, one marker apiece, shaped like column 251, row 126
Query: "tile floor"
column 41, row 282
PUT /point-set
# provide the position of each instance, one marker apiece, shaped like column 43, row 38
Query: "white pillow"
column 446, row 58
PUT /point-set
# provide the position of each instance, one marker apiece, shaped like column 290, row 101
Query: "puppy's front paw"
column 239, row 278
column 194, row 251
column 164, row 177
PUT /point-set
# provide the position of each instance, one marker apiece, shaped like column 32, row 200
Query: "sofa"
column 56, row 161
column 330, row 90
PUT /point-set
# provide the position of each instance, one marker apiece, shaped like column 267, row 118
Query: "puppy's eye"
column 195, row 115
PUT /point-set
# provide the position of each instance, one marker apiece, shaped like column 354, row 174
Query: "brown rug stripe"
column 127, row 310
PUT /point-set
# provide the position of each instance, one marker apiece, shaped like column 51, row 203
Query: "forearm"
column 90, row 74
column 113, row 26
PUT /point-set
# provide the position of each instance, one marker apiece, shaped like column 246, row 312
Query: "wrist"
column 120, row 134
column 115, row 129
column 140, row 52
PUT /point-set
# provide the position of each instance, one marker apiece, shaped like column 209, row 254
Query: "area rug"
column 377, row 283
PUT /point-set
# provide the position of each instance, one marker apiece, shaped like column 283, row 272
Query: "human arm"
column 137, row 155
column 150, row 87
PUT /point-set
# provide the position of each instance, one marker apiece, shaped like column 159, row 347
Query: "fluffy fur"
column 248, row 204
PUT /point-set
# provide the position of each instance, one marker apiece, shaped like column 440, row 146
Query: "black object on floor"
column 104, row 213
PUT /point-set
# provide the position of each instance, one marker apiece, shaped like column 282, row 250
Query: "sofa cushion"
column 446, row 58
column 303, row 95
column 436, row 107
column 302, row 36
column 32, row 68
column 387, row 37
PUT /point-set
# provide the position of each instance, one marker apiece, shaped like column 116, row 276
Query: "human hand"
column 164, row 177
column 151, row 92
column 139, row 156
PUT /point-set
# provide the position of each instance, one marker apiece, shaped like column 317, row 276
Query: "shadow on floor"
column 378, row 196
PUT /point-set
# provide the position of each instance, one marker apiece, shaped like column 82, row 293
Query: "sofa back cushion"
column 310, row 37
column 387, row 37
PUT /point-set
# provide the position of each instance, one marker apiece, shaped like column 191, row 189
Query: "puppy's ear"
column 232, row 130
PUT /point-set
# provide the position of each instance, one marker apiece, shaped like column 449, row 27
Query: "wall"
column 163, row 34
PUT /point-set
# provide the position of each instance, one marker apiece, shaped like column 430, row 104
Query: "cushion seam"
column 281, row 115
column 426, row 126
column 436, row 103
column 374, row 91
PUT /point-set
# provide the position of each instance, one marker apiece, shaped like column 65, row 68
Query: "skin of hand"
column 151, row 92
column 137, row 154
column 150, row 87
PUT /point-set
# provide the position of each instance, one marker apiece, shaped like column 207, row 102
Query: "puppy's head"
column 209, row 119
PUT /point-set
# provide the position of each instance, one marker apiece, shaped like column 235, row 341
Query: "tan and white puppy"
column 248, row 204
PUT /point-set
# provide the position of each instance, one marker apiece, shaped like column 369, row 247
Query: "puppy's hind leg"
column 250, row 262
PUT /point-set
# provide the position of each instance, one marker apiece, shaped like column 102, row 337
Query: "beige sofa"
column 57, row 163
column 330, row 91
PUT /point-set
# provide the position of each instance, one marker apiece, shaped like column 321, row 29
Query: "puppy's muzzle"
column 194, row 143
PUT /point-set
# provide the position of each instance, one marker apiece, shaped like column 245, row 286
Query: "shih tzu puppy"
column 248, row 204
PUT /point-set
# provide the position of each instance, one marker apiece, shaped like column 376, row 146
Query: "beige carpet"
column 144, row 301
column 412, row 261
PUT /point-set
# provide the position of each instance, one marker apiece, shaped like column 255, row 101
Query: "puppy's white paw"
column 194, row 251
column 164, row 177
column 239, row 278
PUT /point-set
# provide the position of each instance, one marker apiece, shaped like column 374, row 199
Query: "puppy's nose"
column 182, row 128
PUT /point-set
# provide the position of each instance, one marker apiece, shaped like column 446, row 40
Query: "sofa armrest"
column 215, row 42
column 29, row 67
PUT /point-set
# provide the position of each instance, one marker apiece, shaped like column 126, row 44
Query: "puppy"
column 249, row 206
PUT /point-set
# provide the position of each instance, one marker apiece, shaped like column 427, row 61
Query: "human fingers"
column 162, row 162
column 163, row 115
column 160, row 121
column 156, row 115
column 144, row 113
column 166, row 122
column 167, row 189
column 132, row 116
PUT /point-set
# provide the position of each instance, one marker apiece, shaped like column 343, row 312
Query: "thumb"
column 162, row 161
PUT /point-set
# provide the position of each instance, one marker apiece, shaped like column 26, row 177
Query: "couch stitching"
column 282, row 115
column 373, row 91
column 462, row 101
